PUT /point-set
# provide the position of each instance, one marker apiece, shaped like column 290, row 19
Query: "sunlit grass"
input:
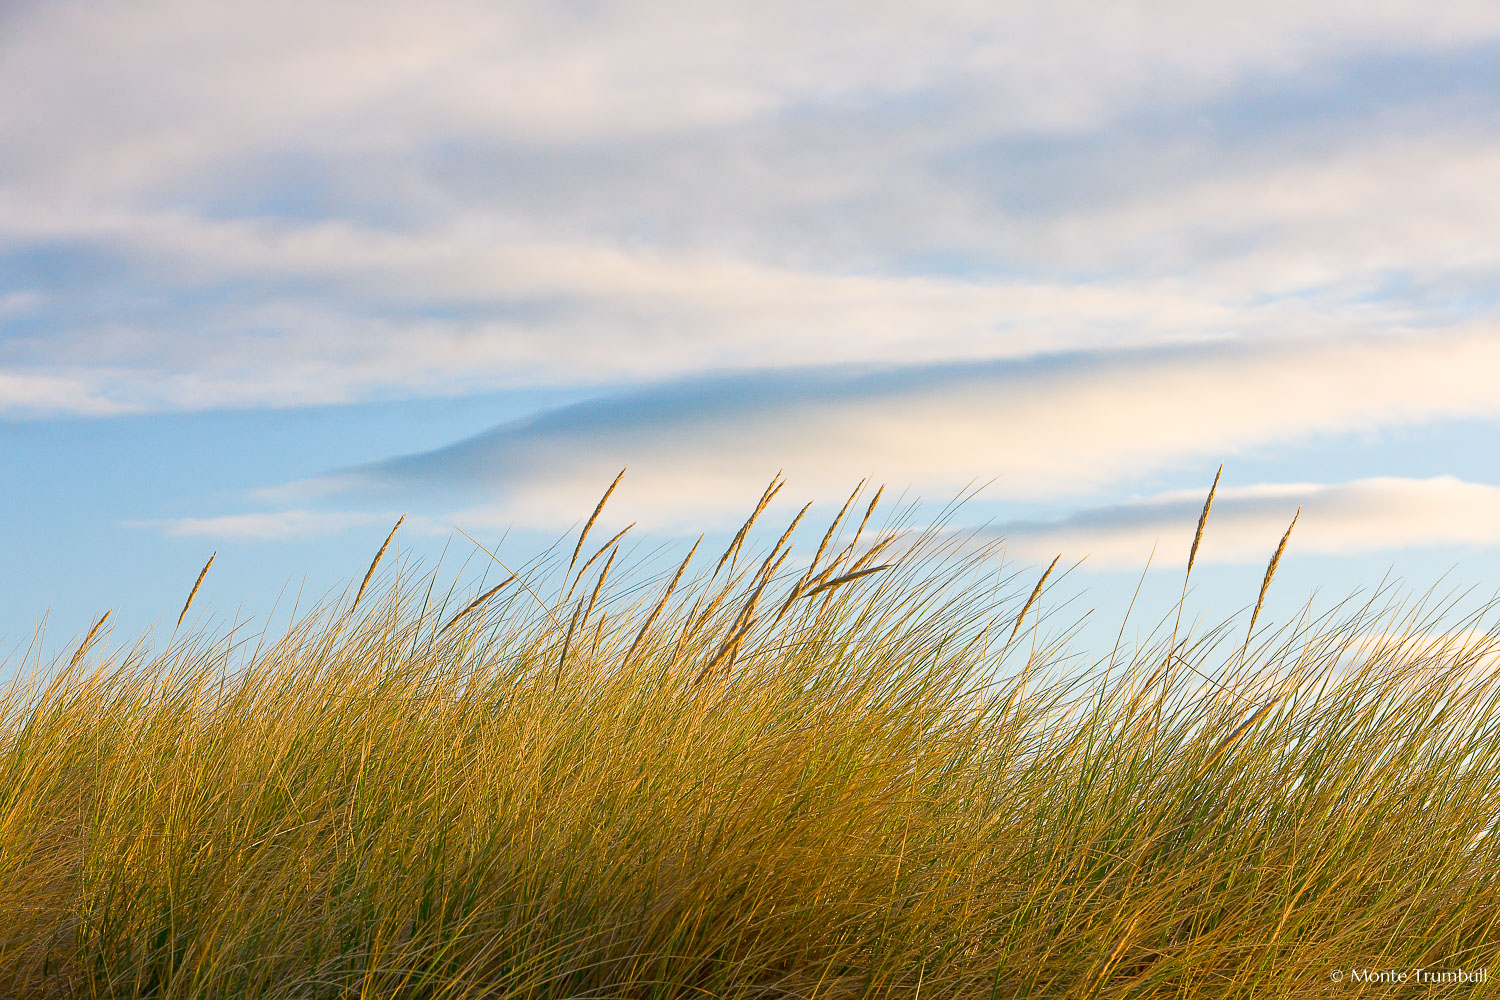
column 832, row 780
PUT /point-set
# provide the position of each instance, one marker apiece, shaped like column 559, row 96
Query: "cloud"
column 147, row 90
column 1344, row 221
column 385, row 202
column 1044, row 427
column 266, row 526
column 18, row 303
column 549, row 311
column 28, row 394
column 1365, row 515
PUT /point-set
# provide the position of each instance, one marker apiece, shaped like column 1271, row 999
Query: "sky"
column 273, row 275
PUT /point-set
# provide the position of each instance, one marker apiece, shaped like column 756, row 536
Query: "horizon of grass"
column 873, row 775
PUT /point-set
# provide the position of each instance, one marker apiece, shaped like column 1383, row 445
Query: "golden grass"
column 864, row 797
column 1265, row 583
column 589, row 525
column 374, row 563
column 197, row 584
column 1036, row 593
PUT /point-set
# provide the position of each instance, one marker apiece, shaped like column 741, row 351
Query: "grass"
column 880, row 775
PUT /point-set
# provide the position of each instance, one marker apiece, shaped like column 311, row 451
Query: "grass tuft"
column 871, row 799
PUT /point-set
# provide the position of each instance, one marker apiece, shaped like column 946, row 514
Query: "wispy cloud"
column 266, row 525
column 555, row 313
column 1365, row 515
column 1044, row 427
column 203, row 81
column 214, row 212
column 39, row 394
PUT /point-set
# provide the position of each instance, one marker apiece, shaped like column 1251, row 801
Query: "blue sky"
column 273, row 274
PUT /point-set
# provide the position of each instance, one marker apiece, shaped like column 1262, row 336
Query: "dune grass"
column 880, row 775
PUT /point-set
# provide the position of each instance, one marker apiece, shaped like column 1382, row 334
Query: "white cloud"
column 600, row 315
column 1246, row 523
column 1344, row 220
column 1043, row 427
column 390, row 200
column 134, row 94
column 29, row 394
column 18, row 303
column 558, row 313
column 266, row 526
